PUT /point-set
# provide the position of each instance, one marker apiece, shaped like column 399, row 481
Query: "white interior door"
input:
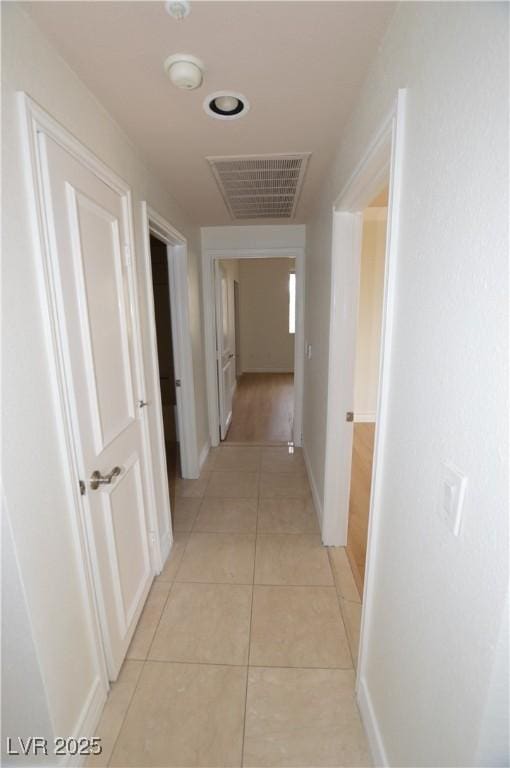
column 225, row 353
column 347, row 230
column 237, row 328
column 90, row 243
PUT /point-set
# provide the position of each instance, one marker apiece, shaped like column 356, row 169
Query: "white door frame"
column 177, row 257
column 34, row 120
column 220, row 346
column 209, row 256
column 381, row 160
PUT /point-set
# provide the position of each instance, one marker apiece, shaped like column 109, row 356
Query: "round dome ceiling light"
column 185, row 71
column 226, row 105
column 178, row 9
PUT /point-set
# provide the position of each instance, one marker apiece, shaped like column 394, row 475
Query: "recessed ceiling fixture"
column 178, row 9
column 226, row 105
column 260, row 186
column 185, row 71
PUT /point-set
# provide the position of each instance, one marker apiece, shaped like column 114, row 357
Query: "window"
column 292, row 302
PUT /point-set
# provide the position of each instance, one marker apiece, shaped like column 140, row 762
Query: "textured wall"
column 438, row 600
column 36, row 483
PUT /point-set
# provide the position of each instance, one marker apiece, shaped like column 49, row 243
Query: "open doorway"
column 255, row 337
column 270, row 250
column 366, row 380
column 165, row 347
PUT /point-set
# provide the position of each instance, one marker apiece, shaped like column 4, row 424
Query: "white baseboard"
column 268, row 370
column 165, row 546
column 368, row 416
column 203, row 454
column 372, row 729
column 313, row 487
column 88, row 720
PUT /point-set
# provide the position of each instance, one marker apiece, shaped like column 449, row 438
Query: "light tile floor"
column 244, row 651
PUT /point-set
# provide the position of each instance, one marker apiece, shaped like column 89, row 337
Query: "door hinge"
column 83, row 488
column 177, row 382
column 127, row 255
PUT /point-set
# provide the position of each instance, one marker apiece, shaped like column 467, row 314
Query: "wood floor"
column 359, row 502
column 263, row 409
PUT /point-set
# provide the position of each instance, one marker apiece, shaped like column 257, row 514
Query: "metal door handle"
column 231, row 356
column 97, row 479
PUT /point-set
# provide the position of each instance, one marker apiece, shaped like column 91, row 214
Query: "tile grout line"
column 144, row 661
column 254, row 533
column 251, row 614
column 127, row 709
column 159, row 620
column 339, row 598
column 239, row 666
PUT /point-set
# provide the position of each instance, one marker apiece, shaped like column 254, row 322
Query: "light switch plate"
column 451, row 497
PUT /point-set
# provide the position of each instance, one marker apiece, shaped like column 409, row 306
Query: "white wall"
column 368, row 335
column 438, row 601
column 25, row 710
column 36, row 484
column 269, row 236
column 266, row 344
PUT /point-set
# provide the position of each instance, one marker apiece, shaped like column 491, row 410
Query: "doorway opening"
column 218, row 405
column 169, row 372
column 366, row 379
column 376, row 183
column 166, row 364
column 255, row 342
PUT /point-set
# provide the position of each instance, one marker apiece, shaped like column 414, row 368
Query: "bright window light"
column 292, row 303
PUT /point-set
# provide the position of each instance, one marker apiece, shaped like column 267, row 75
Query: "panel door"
column 90, row 239
column 225, row 349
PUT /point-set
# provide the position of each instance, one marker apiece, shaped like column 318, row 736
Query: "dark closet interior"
column 161, row 287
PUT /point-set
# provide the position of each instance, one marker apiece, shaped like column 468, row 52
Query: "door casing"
column 225, row 357
column 35, row 120
column 237, row 327
column 177, row 255
column 209, row 257
column 381, row 160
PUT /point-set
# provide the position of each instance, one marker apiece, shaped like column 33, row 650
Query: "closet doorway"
column 165, row 347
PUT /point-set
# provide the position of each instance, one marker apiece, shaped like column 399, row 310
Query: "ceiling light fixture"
column 185, row 71
column 226, row 105
column 178, row 9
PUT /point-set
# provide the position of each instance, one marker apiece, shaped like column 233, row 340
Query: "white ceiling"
column 299, row 64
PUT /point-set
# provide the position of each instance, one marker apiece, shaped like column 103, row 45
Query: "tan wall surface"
column 266, row 344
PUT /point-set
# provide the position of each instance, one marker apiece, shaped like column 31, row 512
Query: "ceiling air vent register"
column 260, row 186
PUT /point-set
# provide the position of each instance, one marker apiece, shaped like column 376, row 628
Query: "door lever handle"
column 97, row 479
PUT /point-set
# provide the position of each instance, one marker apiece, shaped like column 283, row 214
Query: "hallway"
column 263, row 409
column 241, row 656
column 314, row 173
